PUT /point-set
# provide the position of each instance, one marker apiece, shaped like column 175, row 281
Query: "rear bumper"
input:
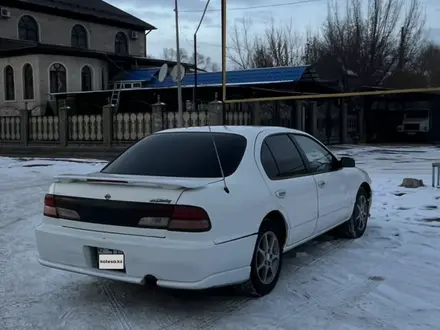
column 175, row 264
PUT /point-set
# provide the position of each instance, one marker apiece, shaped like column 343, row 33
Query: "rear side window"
column 286, row 155
column 181, row 154
column 268, row 162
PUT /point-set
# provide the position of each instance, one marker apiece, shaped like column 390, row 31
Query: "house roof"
column 241, row 77
column 14, row 47
column 13, row 44
column 86, row 9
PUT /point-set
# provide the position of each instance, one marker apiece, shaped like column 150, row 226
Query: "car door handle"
column 280, row 193
column 321, row 184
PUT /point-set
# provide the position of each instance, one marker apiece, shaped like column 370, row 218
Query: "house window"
column 79, row 37
column 103, row 78
column 28, row 28
column 9, row 84
column 121, row 43
column 28, row 82
column 58, row 83
column 86, row 79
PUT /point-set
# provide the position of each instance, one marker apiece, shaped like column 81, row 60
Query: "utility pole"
column 179, row 73
column 402, row 49
column 224, row 81
column 196, row 59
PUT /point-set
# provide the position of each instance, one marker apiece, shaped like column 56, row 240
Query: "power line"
column 254, row 7
column 204, row 43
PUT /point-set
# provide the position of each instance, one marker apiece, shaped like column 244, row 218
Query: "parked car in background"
column 415, row 121
column 202, row 207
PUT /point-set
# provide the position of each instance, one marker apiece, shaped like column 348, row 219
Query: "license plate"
column 110, row 259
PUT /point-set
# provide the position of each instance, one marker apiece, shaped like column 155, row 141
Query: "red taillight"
column 51, row 209
column 189, row 218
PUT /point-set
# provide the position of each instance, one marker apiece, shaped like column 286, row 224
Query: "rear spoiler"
column 172, row 184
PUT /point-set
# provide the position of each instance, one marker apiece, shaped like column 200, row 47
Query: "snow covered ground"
column 389, row 279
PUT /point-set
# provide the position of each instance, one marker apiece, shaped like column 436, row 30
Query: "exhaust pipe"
column 149, row 280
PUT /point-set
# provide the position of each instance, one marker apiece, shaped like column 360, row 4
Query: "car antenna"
column 225, row 187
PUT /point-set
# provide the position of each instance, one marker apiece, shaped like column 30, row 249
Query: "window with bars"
column 103, row 79
column 121, row 43
column 28, row 82
column 58, row 82
column 86, row 79
column 79, row 37
column 9, row 83
column 28, row 29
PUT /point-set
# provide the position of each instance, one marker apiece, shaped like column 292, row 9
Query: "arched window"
column 9, row 83
column 86, row 79
column 28, row 82
column 79, row 37
column 103, row 78
column 121, row 43
column 28, row 29
column 58, row 83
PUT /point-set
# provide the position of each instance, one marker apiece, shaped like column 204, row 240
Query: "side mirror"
column 347, row 162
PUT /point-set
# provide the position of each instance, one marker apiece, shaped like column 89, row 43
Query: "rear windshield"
column 181, row 154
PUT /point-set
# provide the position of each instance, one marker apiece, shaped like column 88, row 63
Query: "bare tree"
column 203, row 62
column 170, row 54
column 425, row 73
column 429, row 65
column 278, row 46
column 373, row 45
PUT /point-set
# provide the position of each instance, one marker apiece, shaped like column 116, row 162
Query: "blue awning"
column 241, row 77
column 144, row 75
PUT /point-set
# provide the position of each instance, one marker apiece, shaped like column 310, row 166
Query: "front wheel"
column 355, row 227
column 266, row 261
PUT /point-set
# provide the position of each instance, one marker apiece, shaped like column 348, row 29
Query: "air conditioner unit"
column 5, row 12
column 134, row 35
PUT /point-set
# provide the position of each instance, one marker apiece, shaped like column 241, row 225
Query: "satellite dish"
column 163, row 72
column 174, row 73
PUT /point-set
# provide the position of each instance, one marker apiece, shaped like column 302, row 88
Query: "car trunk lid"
column 116, row 203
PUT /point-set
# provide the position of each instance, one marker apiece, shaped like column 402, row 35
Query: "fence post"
column 344, row 119
column 107, row 124
column 361, row 123
column 24, row 127
column 299, row 115
column 63, row 125
column 314, row 118
column 157, row 122
column 215, row 111
column 256, row 113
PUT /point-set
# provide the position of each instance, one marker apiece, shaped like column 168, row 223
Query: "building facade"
column 57, row 47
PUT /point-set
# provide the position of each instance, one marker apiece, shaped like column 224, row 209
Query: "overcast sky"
column 304, row 14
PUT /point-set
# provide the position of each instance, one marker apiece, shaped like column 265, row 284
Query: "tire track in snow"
column 344, row 297
column 34, row 207
column 208, row 319
column 65, row 317
column 120, row 314
column 20, row 185
column 211, row 318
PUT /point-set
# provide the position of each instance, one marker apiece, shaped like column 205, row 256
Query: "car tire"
column 357, row 224
column 266, row 261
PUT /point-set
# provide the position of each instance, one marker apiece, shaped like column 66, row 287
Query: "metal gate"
column 276, row 113
column 328, row 122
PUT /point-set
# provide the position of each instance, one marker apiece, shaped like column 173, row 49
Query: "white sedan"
column 203, row 207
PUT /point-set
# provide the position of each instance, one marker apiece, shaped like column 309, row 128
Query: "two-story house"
column 58, row 46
